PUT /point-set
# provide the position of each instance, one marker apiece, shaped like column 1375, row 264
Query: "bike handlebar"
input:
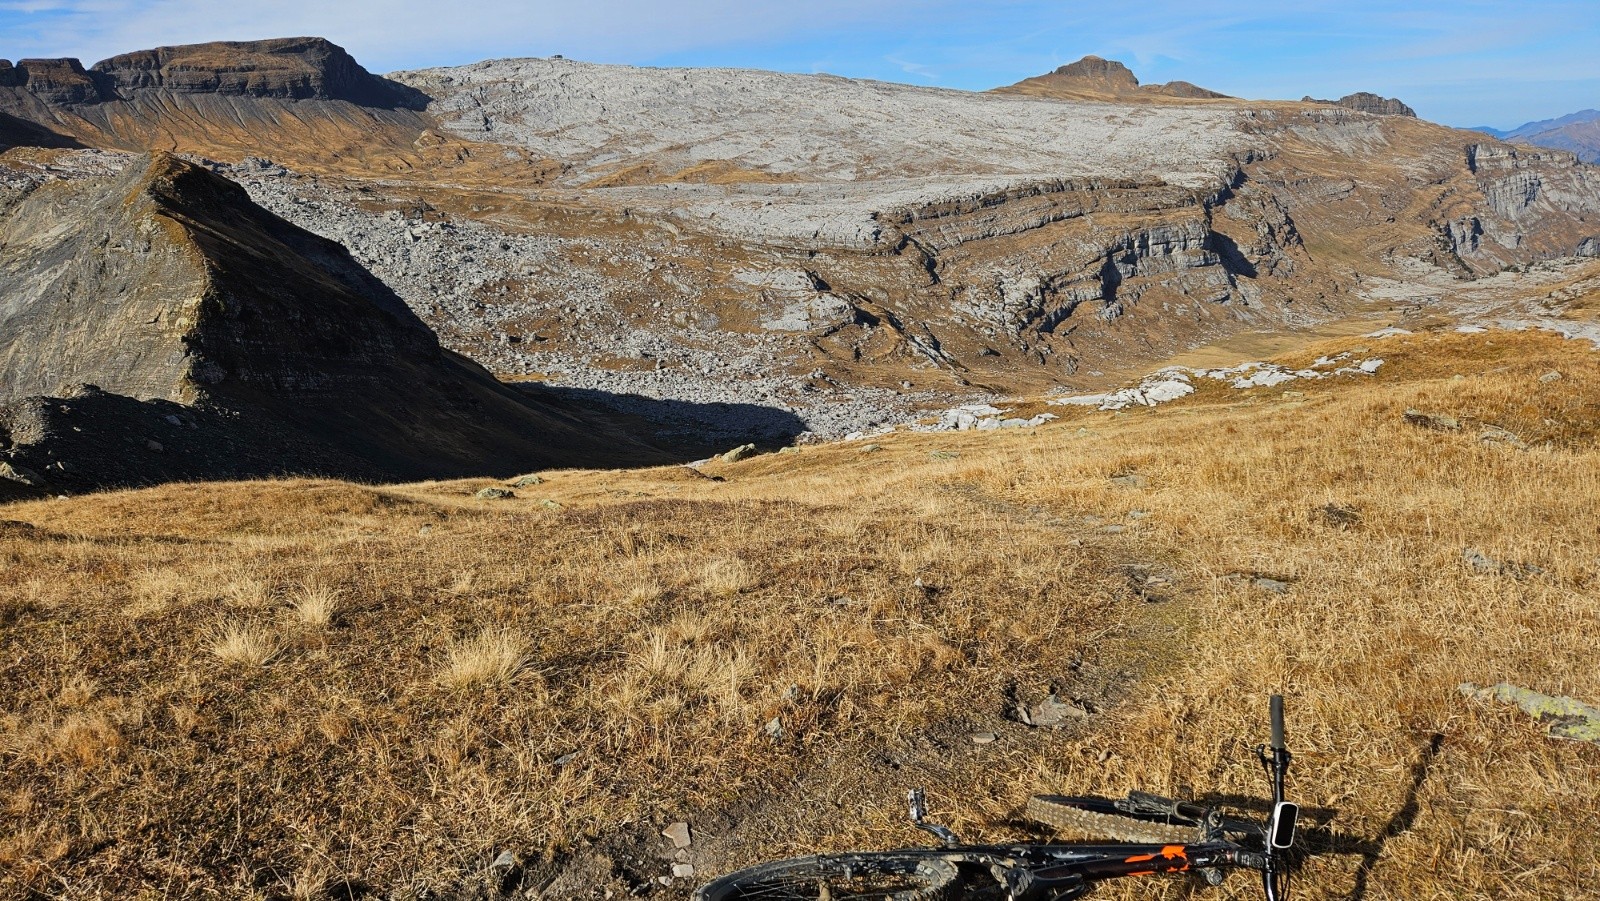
column 1277, row 723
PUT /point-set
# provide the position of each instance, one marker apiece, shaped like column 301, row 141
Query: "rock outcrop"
column 283, row 68
column 1364, row 102
column 156, row 324
column 303, row 97
column 1093, row 78
column 305, row 68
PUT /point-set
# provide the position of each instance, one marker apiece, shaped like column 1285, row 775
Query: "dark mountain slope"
column 221, row 341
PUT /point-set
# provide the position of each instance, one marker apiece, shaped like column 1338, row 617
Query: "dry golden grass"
column 674, row 619
column 493, row 656
column 315, row 605
column 244, row 644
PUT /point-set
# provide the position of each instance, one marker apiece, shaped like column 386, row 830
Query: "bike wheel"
column 883, row 876
column 1061, row 814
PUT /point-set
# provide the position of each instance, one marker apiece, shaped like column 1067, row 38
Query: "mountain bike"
column 1158, row 836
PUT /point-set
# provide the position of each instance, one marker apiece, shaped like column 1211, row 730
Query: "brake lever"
column 917, row 802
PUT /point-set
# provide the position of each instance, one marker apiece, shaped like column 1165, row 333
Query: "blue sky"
column 1463, row 62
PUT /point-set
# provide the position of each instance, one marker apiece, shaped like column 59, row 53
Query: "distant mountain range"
column 1578, row 132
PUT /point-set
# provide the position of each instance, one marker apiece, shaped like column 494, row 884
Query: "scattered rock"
column 21, row 474
column 1338, row 516
column 506, row 861
column 774, row 729
column 984, row 738
column 1440, row 422
column 425, row 529
column 1051, row 712
column 679, row 835
column 549, row 504
column 1129, row 480
column 154, row 446
column 789, row 450
column 683, row 870
column 1273, row 585
column 943, row 455
column 1567, row 717
column 872, row 448
column 1551, row 376
column 1480, row 562
column 742, row 452
column 525, row 481
column 1496, row 435
column 565, row 759
column 495, row 494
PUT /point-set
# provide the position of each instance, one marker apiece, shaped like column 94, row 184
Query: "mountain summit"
column 1095, row 78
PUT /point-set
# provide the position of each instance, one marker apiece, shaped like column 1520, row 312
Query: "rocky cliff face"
column 160, row 316
column 228, row 100
column 844, row 250
column 1365, row 102
column 284, row 68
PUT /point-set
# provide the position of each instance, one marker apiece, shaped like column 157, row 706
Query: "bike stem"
column 1275, row 760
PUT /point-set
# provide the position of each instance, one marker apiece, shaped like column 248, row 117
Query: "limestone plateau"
column 832, row 253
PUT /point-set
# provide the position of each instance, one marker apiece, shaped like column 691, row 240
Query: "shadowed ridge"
column 15, row 132
column 163, row 295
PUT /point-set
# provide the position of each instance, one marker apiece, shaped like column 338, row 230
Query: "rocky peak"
column 303, row 68
column 1096, row 78
column 1111, row 75
column 1366, row 102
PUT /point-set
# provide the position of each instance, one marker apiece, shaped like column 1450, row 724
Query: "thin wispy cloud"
column 911, row 68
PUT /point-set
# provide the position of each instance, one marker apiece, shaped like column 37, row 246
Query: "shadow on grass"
column 1320, row 839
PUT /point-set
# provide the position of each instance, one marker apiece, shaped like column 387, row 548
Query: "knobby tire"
column 873, row 876
column 1068, row 818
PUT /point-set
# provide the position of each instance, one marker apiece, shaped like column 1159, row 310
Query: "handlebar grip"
column 1277, row 722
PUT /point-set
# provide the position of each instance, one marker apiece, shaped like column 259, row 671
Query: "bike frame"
column 1057, row 871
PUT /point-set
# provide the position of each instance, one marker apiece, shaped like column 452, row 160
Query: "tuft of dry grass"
column 493, row 656
column 315, row 605
column 243, row 643
column 727, row 577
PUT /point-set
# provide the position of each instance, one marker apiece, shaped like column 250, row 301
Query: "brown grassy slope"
column 654, row 621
